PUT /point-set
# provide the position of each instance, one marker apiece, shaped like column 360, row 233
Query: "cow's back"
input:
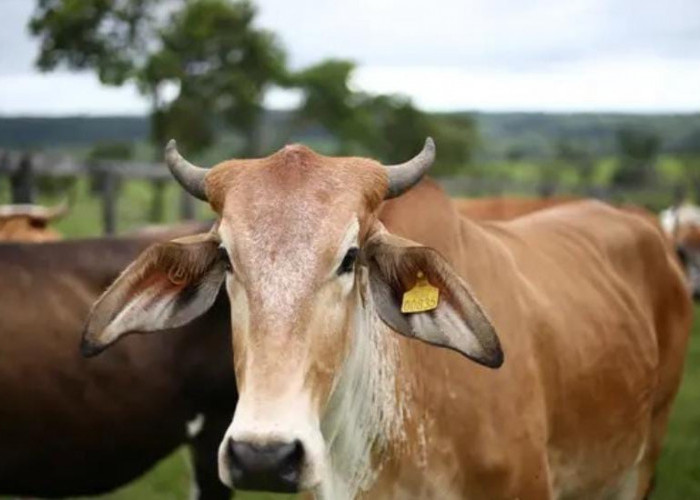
column 505, row 208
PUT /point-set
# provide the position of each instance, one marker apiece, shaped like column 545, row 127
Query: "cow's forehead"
column 296, row 186
column 285, row 216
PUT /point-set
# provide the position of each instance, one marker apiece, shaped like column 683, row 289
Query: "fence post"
column 22, row 181
column 187, row 206
column 157, row 201
column 4, row 166
column 109, row 202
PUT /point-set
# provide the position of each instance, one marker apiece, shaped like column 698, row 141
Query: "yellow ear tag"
column 422, row 297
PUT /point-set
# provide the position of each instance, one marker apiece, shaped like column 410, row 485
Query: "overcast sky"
column 491, row 55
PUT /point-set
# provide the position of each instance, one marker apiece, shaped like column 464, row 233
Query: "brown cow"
column 506, row 207
column 680, row 226
column 330, row 290
column 70, row 426
column 29, row 223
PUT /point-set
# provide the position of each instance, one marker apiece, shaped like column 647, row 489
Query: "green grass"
column 133, row 207
column 170, row 480
column 678, row 473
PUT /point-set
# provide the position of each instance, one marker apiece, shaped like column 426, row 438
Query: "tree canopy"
column 205, row 66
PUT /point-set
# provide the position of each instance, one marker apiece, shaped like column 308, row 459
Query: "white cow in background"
column 682, row 225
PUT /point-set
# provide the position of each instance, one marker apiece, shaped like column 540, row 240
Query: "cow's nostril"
column 291, row 462
column 236, row 470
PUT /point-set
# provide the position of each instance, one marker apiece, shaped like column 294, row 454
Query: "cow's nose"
column 269, row 467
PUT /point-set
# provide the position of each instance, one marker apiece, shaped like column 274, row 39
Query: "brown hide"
column 591, row 311
column 505, row 208
column 73, row 426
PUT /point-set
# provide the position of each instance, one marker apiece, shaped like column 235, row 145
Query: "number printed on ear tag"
column 421, row 298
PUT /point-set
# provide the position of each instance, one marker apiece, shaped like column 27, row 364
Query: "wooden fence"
column 23, row 170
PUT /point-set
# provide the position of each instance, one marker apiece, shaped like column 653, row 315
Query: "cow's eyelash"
column 348, row 263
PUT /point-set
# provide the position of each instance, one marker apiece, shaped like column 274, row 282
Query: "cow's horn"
column 405, row 175
column 56, row 211
column 189, row 176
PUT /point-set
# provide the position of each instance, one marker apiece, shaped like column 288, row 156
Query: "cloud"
column 639, row 85
column 499, row 34
column 14, row 36
column 66, row 94
column 550, row 55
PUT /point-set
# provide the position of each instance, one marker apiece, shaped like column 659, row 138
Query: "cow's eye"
column 348, row 263
column 223, row 257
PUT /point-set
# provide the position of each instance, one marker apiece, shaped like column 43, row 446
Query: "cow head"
column 307, row 267
column 682, row 226
column 688, row 250
column 29, row 223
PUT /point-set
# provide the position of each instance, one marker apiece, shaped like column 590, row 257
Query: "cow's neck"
column 369, row 413
column 365, row 413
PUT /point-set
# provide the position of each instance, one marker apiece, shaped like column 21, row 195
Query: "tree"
column 387, row 127
column 223, row 67
column 578, row 156
column 329, row 101
column 458, row 139
column 638, row 150
column 207, row 49
column 110, row 37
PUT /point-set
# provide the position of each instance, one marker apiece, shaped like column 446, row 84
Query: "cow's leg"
column 654, row 446
column 206, row 433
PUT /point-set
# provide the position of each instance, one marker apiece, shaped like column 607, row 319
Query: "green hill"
column 504, row 135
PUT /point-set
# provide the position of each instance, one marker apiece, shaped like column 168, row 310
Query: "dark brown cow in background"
column 29, row 223
column 70, row 426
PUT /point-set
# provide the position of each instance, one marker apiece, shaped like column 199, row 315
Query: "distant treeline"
column 503, row 135
column 42, row 133
column 539, row 135
column 46, row 133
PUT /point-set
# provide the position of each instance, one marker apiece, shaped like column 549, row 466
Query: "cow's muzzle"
column 272, row 467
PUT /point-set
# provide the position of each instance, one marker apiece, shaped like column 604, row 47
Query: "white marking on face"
column 285, row 419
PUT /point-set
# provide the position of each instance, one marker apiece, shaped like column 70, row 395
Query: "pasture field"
column 678, row 474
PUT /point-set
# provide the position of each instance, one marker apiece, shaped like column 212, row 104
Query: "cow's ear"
column 457, row 321
column 168, row 285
